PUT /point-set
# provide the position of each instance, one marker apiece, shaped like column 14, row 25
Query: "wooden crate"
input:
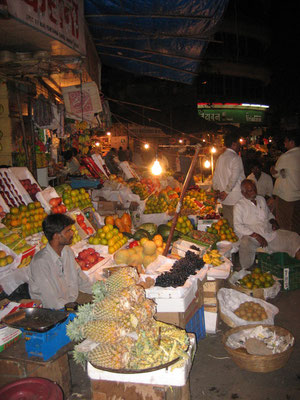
column 111, row 390
column 15, row 364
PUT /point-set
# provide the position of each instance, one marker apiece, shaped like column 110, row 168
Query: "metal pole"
column 179, row 205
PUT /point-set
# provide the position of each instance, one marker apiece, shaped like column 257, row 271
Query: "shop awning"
column 159, row 38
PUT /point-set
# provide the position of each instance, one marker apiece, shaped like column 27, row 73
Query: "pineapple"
column 103, row 331
column 120, row 279
column 109, row 356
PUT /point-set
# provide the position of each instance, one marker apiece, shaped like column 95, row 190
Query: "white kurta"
column 264, row 184
column 228, row 175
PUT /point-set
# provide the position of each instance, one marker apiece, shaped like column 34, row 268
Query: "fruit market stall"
column 152, row 303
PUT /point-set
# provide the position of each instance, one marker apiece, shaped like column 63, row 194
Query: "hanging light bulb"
column 146, row 146
column 97, row 144
column 156, row 168
column 206, row 164
column 213, row 149
column 180, row 141
column 108, row 133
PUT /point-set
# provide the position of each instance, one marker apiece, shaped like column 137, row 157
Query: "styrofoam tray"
column 17, row 191
column 23, row 173
column 170, row 376
column 45, row 195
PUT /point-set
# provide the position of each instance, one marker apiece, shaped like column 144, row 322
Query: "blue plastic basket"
column 46, row 344
column 77, row 183
column 196, row 324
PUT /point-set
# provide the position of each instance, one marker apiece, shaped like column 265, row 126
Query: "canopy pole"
column 179, row 205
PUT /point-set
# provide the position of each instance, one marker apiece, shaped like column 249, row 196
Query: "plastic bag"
column 230, row 300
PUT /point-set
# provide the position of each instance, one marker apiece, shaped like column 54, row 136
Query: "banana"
column 212, row 257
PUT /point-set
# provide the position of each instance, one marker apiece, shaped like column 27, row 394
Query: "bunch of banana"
column 212, row 257
column 25, row 262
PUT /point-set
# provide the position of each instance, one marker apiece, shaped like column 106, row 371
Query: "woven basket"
column 255, row 363
column 228, row 321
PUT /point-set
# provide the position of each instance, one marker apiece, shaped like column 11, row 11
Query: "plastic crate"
column 84, row 183
column 196, row 324
column 46, row 344
column 283, row 267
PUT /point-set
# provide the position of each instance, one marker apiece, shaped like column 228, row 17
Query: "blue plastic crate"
column 196, row 324
column 46, row 344
column 84, row 183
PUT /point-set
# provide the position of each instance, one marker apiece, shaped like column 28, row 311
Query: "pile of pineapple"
column 118, row 330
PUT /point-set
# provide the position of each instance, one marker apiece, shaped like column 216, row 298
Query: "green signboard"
column 229, row 115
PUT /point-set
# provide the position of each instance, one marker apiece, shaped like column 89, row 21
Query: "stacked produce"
column 257, row 279
column 74, row 198
column 120, row 323
column 28, row 218
column 223, row 230
column 56, row 206
column 213, row 257
column 5, row 259
column 31, row 188
column 13, row 240
column 109, row 236
column 143, row 254
column 9, row 189
column 183, row 224
column 87, row 258
column 123, row 223
column 251, row 311
column 190, row 264
column 202, row 238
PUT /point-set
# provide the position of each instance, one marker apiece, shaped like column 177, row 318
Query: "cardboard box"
column 103, row 205
column 211, row 321
column 105, row 390
column 180, row 319
column 213, row 285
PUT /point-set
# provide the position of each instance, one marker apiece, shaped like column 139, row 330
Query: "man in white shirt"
column 263, row 181
column 55, row 278
column 287, row 184
column 228, row 175
column 256, row 227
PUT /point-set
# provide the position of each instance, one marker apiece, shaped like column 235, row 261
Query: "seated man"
column 256, row 227
column 55, row 278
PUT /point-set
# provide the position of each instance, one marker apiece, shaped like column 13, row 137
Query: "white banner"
column 63, row 20
column 82, row 102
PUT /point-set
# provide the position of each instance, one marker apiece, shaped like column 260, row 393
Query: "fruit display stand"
column 83, row 225
column 7, row 268
column 12, row 191
column 45, row 196
column 27, row 180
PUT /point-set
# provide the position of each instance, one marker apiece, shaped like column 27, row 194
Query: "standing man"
column 55, row 278
column 287, row 184
column 256, row 227
column 228, row 175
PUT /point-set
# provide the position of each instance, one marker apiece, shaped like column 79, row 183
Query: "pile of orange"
column 28, row 218
column 223, row 230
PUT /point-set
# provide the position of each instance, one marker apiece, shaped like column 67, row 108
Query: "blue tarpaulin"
column 159, row 38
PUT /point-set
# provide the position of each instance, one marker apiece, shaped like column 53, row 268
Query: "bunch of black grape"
column 180, row 271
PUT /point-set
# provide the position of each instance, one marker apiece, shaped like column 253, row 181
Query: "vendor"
column 72, row 164
column 112, row 161
column 256, row 227
column 54, row 276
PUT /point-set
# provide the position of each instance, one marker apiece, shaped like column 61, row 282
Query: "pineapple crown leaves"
column 99, row 291
column 80, row 358
column 83, row 316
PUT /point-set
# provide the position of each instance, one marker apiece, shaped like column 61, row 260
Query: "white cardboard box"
column 166, row 376
column 211, row 321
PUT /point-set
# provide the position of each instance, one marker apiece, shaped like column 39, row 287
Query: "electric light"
column 180, row 141
column 213, row 150
column 206, row 164
column 156, row 168
column 108, row 133
column 97, row 144
column 146, row 145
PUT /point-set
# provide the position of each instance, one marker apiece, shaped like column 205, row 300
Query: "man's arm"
column 236, row 167
column 84, row 284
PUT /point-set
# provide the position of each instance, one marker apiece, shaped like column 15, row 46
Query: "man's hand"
column 274, row 224
column 273, row 170
column 261, row 240
column 223, row 195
